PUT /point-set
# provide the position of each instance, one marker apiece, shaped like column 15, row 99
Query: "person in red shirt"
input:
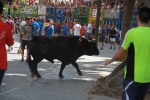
column 71, row 28
column 5, row 38
column 57, row 27
column 10, row 22
column 82, row 31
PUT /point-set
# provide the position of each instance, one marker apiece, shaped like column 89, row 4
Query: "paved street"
column 18, row 84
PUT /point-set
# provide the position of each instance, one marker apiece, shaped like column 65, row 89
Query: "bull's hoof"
column 80, row 74
column 32, row 75
column 61, row 76
column 38, row 76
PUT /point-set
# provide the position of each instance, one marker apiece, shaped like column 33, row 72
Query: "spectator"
column 41, row 24
column 36, row 27
column 89, row 30
column 112, row 34
column 117, row 36
column 85, row 29
column 57, row 27
column 76, row 28
column 10, row 22
column 16, row 27
column 65, row 29
column 102, row 33
column 82, row 31
column 26, row 38
column 49, row 29
column 71, row 28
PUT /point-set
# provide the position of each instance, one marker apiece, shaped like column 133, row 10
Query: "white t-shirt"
column 100, row 29
column 91, row 28
column 77, row 28
column 22, row 23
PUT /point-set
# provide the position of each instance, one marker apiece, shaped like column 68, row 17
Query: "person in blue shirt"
column 35, row 26
column 41, row 26
column 49, row 29
column 65, row 28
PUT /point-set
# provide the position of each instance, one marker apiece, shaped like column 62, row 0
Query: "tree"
column 112, row 84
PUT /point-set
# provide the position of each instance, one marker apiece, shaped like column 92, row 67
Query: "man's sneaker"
column 110, row 48
column 101, row 48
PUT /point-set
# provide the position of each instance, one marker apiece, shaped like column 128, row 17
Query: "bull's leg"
column 35, row 63
column 61, row 70
column 31, row 66
column 77, row 68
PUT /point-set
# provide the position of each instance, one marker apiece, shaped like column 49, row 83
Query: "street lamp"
column 9, row 5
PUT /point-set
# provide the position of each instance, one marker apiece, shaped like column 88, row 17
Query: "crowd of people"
column 68, row 4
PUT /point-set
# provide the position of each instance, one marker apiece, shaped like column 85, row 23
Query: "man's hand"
column 107, row 62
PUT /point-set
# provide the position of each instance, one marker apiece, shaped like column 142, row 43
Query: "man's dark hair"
column 15, row 19
column 48, row 20
column 144, row 14
column 1, row 7
column 9, row 17
column 34, row 18
column 76, row 20
column 27, row 18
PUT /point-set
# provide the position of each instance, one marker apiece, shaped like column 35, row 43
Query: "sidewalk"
column 50, row 87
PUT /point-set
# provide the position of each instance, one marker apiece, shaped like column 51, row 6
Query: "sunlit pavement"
column 18, row 84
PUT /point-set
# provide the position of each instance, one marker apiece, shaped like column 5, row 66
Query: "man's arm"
column 117, row 56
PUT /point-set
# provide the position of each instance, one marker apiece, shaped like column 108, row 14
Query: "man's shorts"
column 25, row 43
column 112, row 39
column 134, row 90
column 101, row 39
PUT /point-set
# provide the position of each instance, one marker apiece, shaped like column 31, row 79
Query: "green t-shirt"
column 137, row 42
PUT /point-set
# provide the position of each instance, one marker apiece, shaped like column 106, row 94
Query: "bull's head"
column 91, row 48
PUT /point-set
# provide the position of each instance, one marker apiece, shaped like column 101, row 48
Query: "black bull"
column 63, row 48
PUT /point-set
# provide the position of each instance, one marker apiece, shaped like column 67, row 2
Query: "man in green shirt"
column 137, row 44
